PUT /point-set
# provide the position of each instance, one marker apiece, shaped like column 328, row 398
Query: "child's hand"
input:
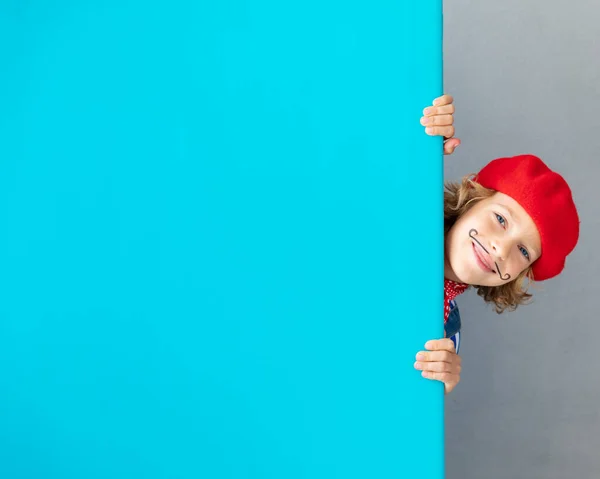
column 441, row 363
column 438, row 121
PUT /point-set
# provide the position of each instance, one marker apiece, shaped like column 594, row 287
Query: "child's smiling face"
column 492, row 243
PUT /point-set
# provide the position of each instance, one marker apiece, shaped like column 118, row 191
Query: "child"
column 511, row 224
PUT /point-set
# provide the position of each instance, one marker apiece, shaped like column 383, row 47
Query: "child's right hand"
column 438, row 120
column 440, row 363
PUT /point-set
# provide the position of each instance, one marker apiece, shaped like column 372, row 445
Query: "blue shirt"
column 452, row 326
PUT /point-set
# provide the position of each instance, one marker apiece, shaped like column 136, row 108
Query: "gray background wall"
column 526, row 79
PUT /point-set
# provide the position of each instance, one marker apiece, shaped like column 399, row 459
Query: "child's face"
column 492, row 243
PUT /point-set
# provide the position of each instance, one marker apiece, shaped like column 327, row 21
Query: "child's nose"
column 500, row 249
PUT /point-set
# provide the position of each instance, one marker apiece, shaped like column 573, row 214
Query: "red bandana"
column 451, row 290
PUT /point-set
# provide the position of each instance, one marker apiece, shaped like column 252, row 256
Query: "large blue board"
column 221, row 242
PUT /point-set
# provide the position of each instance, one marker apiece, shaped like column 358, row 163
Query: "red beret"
column 546, row 197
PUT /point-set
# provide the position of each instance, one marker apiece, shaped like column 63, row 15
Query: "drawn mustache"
column 472, row 234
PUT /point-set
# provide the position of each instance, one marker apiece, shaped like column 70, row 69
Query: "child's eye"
column 524, row 251
column 501, row 220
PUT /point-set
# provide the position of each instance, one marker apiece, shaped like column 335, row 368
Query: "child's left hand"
column 438, row 120
column 440, row 363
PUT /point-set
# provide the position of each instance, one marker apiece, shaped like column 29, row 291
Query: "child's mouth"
column 481, row 260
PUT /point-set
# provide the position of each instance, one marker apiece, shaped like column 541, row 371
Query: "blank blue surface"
column 221, row 241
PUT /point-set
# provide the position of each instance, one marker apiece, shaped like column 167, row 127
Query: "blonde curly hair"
column 460, row 198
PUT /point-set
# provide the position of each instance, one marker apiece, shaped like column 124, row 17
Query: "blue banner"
column 221, row 241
